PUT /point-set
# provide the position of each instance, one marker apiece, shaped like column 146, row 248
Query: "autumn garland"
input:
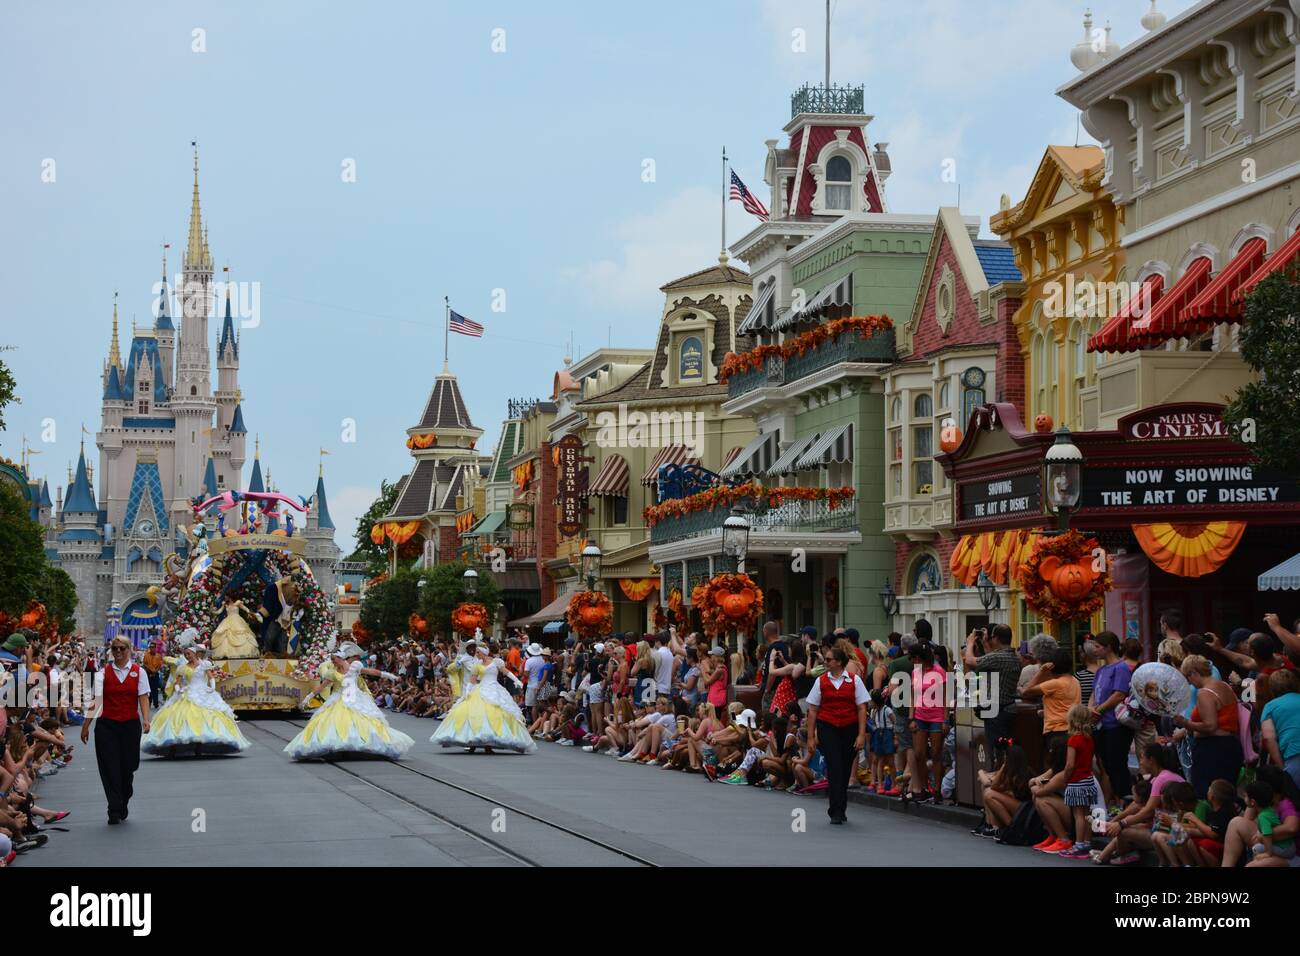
column 1068, row 548
column 469, row 617
column 728, row 602
column 864, row 325
column 725, row 496
column 591, row 625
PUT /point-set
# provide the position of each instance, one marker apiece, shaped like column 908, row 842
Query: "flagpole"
column 722, row 257
column 446, row 331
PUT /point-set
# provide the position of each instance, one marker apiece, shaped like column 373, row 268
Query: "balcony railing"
column 848, row 346
column 793, row 517
column 820, row 99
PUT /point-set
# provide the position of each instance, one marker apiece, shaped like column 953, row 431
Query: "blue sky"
column 476, row 171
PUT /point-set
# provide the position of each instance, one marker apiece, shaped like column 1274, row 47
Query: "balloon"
column 1160, row 689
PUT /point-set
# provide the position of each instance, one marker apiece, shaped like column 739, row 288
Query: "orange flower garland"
column 468, row 617
column 1063, row 560
column 728, row 602
column 725, row 496
column 590, row 614
column 864, row 325
column 427, row 440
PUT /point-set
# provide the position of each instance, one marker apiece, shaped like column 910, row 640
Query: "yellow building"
column 1066, row 235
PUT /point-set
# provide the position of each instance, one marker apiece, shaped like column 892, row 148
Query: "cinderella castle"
column 166, row 439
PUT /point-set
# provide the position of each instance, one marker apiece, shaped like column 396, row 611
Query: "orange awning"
column 1189, row 550
column 1114, row 335
column 1163, row 322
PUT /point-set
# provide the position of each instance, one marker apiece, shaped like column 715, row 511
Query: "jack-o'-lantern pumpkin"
column 949, row 438
column 1069, row 581
column 591, row 614
column 1043, row 423
column 736, row 604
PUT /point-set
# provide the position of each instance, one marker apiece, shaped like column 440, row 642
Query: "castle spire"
column 196, row 250
column 114, row 356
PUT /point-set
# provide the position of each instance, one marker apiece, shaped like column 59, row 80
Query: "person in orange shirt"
column 153, row 662
column 515, row 658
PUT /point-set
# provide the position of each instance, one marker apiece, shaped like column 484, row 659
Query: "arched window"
column 923, row 406
column 839, row 183
column 194, row 390
column 944, row 396
column 1039, row 355
column 925, row 575
column 896, row 409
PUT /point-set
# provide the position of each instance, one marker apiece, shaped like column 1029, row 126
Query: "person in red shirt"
column 120, row 716
column 1081, row 790
column 837, row 710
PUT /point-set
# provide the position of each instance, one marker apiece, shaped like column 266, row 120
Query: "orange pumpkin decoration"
column 1043, row 423
column 469, row 617
column 1069, row 580
column 950, row 437
column 590, row 614
column 736, row 604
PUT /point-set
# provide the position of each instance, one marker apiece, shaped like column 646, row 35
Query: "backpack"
column 1025, row 828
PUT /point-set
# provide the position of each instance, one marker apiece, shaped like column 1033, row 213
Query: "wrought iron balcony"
column 793, row 517
column 848, row 346
column 811, row 98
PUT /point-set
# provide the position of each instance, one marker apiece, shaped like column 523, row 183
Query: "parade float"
column 251, row 596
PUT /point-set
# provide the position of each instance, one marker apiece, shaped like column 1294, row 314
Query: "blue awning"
column 1284, row 577
column 553, row 627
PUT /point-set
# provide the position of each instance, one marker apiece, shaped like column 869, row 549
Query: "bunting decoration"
column 638, row 589
column 1190, row 550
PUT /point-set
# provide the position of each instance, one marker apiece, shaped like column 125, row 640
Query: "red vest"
column 121, row 696
column 837, row 707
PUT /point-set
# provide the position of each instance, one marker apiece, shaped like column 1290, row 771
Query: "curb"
column 940, row 813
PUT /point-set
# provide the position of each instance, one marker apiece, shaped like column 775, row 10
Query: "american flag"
column 465, row 326
column 747, row 199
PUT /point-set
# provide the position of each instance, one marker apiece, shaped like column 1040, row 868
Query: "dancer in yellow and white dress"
column 233, row 638
column 486, row 716
column 195, row 714
column 349, row 721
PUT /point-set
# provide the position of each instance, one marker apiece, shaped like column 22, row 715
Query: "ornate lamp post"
column 735, row 539
column 888, row 599
column 591, row 556
column 470, row 582
column 1062, row 478
column 988, row 592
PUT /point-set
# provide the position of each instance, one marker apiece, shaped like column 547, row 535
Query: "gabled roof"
column 1079, row 167
column 144, row 355
column 445, row 407
column 419, row 494
column 323, row 519
column 146, row 482
column 950, row 231
column 80, row 499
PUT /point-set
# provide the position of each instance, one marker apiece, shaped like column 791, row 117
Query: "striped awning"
column 836, row 294
column 1163, row 322
column 1218, row 301
column 613, row 479
column 487, row 526
column 1114, row 335
column 1285, row 255
column 761, row 314
column 754, row 459
column 1284, row 577
column 669, row 455
column 830, row 448
column 785, row 463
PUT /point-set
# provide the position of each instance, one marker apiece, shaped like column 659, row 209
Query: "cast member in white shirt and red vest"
column 837, row 711
column 121, row 715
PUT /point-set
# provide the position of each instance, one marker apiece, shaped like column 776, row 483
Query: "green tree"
column 59, row 595
column 1265, row 414
column 22, row 552
column 446, row 589
column 8, row 391
column 374, row 555
column 388, row 604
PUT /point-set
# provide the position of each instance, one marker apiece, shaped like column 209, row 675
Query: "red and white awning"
column 1285, row 255
column 1114, row 335
column 613, row 479
column 669, row 455
column 1218, row 301
column 1164, row 321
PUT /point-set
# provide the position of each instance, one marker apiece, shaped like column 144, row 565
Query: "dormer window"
column 690, row 360
column 143, row 406
column 839, row 183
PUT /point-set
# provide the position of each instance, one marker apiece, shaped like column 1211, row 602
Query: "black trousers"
column 117, row 752
column 997, row 729
column 836, row 745
column 1112, row 750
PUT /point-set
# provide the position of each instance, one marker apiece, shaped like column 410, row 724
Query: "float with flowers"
column 248, row 592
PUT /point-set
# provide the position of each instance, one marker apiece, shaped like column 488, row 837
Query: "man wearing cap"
column 532, row 678
column 121, row 715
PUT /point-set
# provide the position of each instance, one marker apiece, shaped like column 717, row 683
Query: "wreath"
column 590, row 614
column 1060, row 580
column 467, row 618
column 728, row 602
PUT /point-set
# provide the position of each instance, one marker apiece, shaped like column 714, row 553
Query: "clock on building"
column 144, row 527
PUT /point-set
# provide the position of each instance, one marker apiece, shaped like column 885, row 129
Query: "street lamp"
column 470, row 581
column 1062, row 469
column 988, row 591
column 888, row 599
column 591, row 565
column 735, row 539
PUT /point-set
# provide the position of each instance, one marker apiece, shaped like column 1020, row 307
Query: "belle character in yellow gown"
column 233, row 637
column 349, row 721
column 195, row 714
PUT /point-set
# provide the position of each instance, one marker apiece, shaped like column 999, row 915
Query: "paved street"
column 556, row 807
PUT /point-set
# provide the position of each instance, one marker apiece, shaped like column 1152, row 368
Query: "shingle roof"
column 445, row 407
column 710, row 276
column 505, row 451
column 998, row 261
column 417, row 496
